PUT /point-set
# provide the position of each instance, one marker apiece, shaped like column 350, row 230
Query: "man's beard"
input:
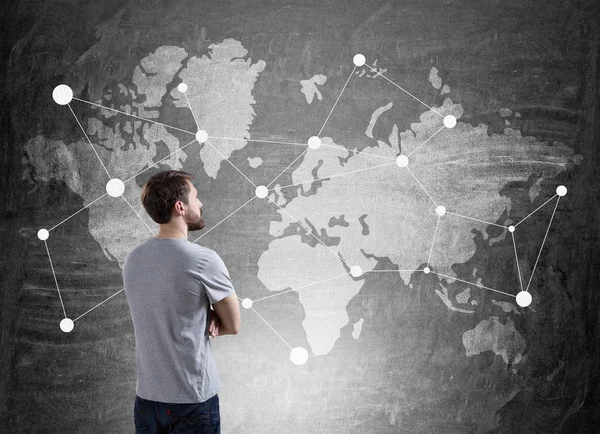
column 196, row 224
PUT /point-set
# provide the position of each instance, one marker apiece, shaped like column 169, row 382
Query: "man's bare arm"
column 228, row 310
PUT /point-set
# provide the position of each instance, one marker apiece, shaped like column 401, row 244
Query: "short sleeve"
column 215, row 278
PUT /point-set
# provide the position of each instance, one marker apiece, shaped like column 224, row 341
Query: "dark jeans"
column 153, row 417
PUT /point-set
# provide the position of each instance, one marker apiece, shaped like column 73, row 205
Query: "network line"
column 428, row 139
column 134, row 116
column 421, row 185
column 355, row 151
column 405, row 91
column 159, row 161
column 77, row 212
column 55, row 281
column 136, row 213
column 335, row 176
column 336, row 101
column 517, row 259
column 233, row 165
column 540, row 253
column 531, row 213
column 269, row 325
column 89, row 141
column 477, row 220
column 433, row 241
column 246, row 203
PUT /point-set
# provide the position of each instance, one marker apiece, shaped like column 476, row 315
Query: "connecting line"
column 258, row 140
column 136, row 213
column 474, row 284
column 517, row 259
column 135, row 116
column 310, row 232
column 433, row 242
column 339, row 174
column 158, row 162
column 89, row 141
column 430, row 137
column 300, row 287
column 302, row 144
column 55, row 281
column 98, row 304
column 336, row 101
column 540, row 253
column 536, row 210
column 477, row 220
column 405, row 91
column 272, row 328
column 251, row 199
column 255, row 186
column 77, row 212
column 387, row 271
column 289, row 165
column 413, row 175
column 193, row 115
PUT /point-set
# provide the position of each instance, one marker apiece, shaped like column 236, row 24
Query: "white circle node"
column 43, row 234
column 314, row 142
column 426, row 270
column 440, row 210
column 299, row 356
column 115, row 187
column 449, row 121
column 247, row 303
column 62, row 94
column 561, row 190
column 523, row 298
column 402, row 160
column 356, row 271
column 201, row 136
column 511, row 228
column 182, row 87
column 66, row 325
column 359, row 60
column 261, row 191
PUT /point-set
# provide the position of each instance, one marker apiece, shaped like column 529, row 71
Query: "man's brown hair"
column 162, row 191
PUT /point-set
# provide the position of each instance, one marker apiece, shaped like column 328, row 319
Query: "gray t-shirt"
column 169, row 285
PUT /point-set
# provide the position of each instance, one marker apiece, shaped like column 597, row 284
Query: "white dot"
column 426, row 270
column 299, row 356
column 440, row 210
column 115, row 187
column 247, row 303
column 314, row 142
column 66, row 325
column 359, row 60
column 511, row 228
column 43, row 234
column 261, row 191
column 62, row 94
column 201, row 136
column 356, row 271
column 561, row 190
column 449, row 121
column 402, row 160
column 182, row 87
column 523, row 298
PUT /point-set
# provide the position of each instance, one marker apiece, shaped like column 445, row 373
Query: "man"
column 170, row 284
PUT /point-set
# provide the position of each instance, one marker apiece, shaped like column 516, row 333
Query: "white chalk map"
column 400, row 216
